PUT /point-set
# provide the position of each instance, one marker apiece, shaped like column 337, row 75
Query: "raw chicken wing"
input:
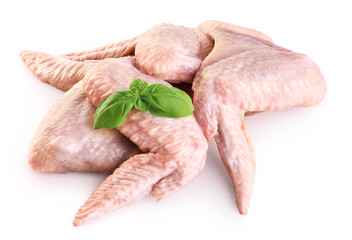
column 175, row 148
column 247, row 72
column 59, row 72
column 173, row 53
column 66, row 141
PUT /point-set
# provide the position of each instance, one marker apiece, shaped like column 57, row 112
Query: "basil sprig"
column 158, row 99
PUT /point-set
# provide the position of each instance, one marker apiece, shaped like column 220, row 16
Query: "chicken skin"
column 165, row 50
column 59, row 72
column 174, row 148
column 173, row 53
column 66, row 141
column 234, row 71
column 247, row 72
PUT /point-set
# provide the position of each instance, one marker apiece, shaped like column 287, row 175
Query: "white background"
column 304, row 161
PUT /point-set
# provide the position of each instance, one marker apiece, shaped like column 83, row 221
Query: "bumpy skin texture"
column 173, row 53
column 247, row 72
column 114, row 50
column 65, row 139
column 175, row 148
column 59, row 72
column 188, row 48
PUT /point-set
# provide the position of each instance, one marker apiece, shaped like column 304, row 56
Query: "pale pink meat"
column 175, row 148
column 65, row 139
column 173, row 53
column 59, row 72
column 237, row 71
column 247, row 72
column 113, row 50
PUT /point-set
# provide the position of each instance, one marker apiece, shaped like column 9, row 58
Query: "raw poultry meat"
column 185, row 48
column 114, row 50
column 173, row 53
column 63, row 73
column 175, row 148
column 237, row 71
column 65, row 139
column 247, row 72
column 59, row 72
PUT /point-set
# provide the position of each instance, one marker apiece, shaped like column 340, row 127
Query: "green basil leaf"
column 113, row 110
column 142, row 102
column 138, row 86
column 168, row 102
column 158, row 99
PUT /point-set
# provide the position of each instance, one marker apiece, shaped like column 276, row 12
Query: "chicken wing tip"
column 243, row 207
